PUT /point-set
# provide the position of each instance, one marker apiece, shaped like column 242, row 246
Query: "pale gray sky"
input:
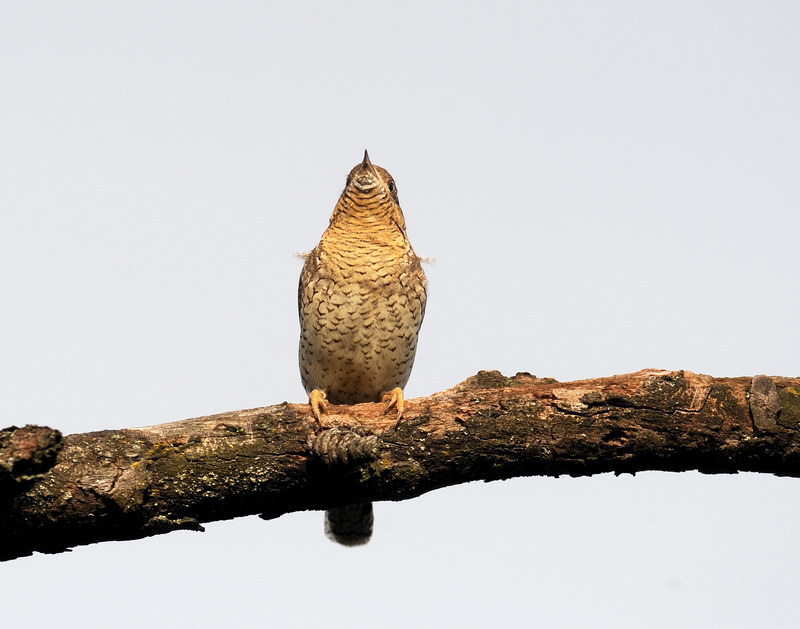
column 606, row 186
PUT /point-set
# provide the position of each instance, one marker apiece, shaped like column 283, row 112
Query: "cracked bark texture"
column 58, row 492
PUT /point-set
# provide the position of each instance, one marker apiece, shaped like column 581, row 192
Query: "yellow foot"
column 317, row 400
column 395, row 399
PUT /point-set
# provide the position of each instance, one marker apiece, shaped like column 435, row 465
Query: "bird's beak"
column 366, row 163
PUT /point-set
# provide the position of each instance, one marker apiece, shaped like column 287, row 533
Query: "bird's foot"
column 318, row 402
column 395, row 399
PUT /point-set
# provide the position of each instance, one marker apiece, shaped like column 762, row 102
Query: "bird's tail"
column 350, row 525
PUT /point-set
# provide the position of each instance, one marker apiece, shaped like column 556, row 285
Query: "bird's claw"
column 318, row 402
column 395, row 399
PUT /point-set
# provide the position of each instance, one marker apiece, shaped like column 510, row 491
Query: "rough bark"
column 57, row 492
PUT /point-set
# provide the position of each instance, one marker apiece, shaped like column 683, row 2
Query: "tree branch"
column 57, row 492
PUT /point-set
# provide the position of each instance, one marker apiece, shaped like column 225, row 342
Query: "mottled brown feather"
column 361, row 297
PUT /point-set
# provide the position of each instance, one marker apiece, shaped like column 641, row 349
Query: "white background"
column 605, row 186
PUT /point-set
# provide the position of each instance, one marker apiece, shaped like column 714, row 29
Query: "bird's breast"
column 360, row 312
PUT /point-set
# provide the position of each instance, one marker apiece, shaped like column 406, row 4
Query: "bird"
column 361, row 299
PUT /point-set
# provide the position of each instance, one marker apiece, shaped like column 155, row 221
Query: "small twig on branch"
column 57, row 492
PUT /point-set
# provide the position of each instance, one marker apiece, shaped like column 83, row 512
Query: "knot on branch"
column 345, row 445
column 27, row 453
column 493, row 379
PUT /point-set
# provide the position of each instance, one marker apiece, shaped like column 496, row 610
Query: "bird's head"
column 368, row 179
column 369, row 195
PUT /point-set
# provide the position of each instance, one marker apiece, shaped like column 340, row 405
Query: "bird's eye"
column 391, row 185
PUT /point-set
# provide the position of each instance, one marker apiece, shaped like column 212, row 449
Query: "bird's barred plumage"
column 362, row 299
